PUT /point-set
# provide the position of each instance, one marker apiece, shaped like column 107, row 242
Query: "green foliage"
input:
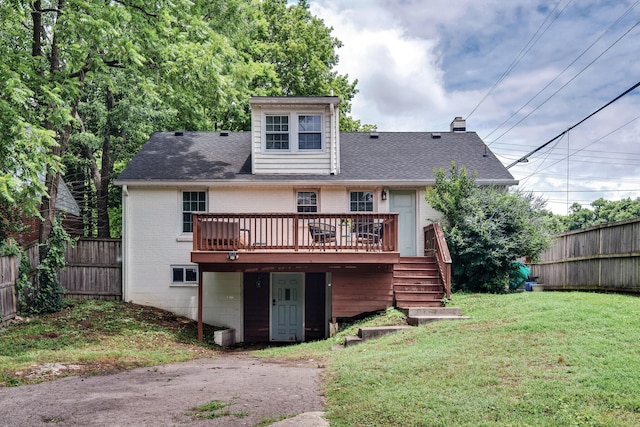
column 11, row 220
column 601, row 211
column 486, row 229
column 175, row 65
column 212, row 410
column 46, row 296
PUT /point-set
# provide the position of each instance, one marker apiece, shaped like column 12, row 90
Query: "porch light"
column 383, row 195
column 232, row 256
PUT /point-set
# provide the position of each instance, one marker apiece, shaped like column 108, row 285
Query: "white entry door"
column 404, row 202
column 287, row 305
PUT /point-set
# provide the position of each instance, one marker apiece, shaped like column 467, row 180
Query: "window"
column 184, row 274
column 361, row 201
column 309, row 135
column 293, row 133
column 277, row 132
column 192, row 201
column 307, row 201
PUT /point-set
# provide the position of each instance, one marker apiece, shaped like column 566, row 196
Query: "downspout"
column 125, row 242
column 332, row 139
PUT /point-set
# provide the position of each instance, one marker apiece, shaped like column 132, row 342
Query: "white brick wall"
column 154, row 243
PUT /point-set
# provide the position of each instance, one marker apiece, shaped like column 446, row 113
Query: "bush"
column 487, row 228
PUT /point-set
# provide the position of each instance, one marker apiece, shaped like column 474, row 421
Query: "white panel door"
column 404, row 202
column 287, row 305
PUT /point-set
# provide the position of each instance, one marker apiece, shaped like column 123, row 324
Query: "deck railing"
column 435, row 245
column 295, row 231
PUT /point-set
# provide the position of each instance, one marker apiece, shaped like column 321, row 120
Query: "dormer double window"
column 293, row 132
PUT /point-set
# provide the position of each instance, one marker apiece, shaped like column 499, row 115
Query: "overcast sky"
column 421, row 63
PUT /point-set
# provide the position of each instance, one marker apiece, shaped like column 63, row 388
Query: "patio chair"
column 322, row 233
column 369, row 232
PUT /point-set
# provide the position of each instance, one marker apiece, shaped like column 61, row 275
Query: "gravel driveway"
column 257, row 391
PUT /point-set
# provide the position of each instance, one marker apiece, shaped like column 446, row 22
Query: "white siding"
column 314, row 163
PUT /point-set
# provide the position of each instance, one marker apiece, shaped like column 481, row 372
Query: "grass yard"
column 526, row 359
column 89, row 337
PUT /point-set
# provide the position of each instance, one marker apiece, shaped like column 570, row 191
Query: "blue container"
column 527, row 285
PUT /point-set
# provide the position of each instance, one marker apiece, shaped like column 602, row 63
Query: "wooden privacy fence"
column 93, row 270
column 8, row 301
column 602, row 258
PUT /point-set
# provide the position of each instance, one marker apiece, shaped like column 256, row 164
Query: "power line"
column 525, row 49
column 525, row 157
column 628, row 11
column 571, row 155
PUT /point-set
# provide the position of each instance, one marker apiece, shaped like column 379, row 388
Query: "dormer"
column 295, row 135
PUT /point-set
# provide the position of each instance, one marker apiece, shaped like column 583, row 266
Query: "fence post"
column 14, row 293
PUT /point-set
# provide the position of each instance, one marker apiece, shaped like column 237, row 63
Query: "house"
column 280, row 232
column 66, row 205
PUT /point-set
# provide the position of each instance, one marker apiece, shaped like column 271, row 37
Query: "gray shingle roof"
column 393, row 156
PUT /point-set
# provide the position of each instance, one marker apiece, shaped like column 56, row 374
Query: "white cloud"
column 419, row 64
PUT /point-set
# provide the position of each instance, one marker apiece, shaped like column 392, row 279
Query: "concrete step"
column 423, row 320
column 432, row 311
column 402, row 305
column 378, row 331
column 351, row 340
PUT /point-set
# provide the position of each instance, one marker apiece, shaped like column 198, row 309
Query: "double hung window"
column 307, row 201
column 277, row 132
column 192, row 201
column 309, row 134
column 361, row 201
column 293, row 133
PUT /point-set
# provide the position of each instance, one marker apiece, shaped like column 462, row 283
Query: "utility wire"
column 603, row 160
column 628, row 11
column 526, row 156
column 525, row 49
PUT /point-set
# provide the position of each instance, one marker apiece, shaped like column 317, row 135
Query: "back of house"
column 280, row 232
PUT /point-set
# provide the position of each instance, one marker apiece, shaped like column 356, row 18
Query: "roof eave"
column 301, row 182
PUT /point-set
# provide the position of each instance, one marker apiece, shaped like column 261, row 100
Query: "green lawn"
column 94, row 337
column 526, row 359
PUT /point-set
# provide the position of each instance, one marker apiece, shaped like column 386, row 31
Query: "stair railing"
column 435, row 245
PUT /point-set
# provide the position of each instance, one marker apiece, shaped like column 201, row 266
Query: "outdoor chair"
column 368, row 232
column 322, row 233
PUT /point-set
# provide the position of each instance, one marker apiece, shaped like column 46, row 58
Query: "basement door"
column 404, row 202
column 287, row 305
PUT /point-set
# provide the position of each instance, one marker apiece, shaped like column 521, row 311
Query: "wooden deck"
column 236, row 240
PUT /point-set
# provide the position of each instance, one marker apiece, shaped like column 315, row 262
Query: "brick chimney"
column 458, row 125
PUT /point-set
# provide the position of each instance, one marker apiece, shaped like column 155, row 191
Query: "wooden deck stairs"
column 417, row 283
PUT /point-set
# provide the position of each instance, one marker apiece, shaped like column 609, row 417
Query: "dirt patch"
column 252, row 390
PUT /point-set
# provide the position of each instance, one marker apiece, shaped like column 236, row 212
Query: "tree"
column 25, row 143
column 601, row 211
column 487, row 228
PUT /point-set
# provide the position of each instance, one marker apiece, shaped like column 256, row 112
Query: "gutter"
column 301, row 182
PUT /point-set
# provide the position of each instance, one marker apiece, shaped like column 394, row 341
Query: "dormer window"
column 309, row 133
column 293, row 132
column 277, row 133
